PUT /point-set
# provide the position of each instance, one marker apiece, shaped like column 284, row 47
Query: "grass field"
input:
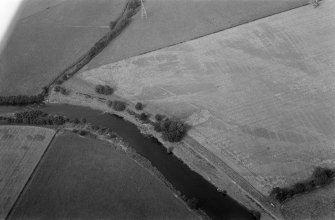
column 21, row 148
column 31, row 7
column 46, row 41
column 174, row 21
column 318, row 205
column 81, row 178
column 259, row 97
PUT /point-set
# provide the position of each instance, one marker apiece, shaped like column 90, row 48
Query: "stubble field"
column 21, row 148
column 259, row 97
column 82, row 178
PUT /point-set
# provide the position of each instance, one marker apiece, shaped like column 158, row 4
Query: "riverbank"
column 93, row 132
column 183, row 150
column 93, row 179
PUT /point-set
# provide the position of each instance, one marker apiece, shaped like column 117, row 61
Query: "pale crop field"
column 259, row 97
column 21, row 148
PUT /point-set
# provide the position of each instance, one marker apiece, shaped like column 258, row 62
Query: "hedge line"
column 320, row 177
column 116, row 28
column 129, row 10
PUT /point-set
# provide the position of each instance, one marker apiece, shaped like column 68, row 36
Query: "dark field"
column 47, row 40
column 87, row 179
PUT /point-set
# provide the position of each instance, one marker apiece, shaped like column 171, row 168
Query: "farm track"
column 258, row 197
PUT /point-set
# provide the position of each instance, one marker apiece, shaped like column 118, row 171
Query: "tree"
column 172, row 130
column 57, row 88
column 119, row 106
column 104, row 90
column 144, row 116
column 112, row 25
column 139, row 106
column 159, row 117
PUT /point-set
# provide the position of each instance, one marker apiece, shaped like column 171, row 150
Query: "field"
column 31, row 7
column 45, row 42
column 21, row 148
column 51, row 35
column 175, row 21
column 82, row 178
column 259, row 97
column 318, row 205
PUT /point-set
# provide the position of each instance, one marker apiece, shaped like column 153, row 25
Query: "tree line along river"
column 215, row 204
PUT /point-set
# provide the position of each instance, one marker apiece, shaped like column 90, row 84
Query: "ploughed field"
column 259, row 97
column 48, row 37
column 21, row 148
column 81, row 178
column 175, row 21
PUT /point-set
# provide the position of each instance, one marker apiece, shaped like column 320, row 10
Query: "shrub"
column 193, row 203
column 133, row 4
column 173, row 130
column 112, row 25
column 95, row 128
column 139, row 106
column 157, row 127
column 45, row 90
column 83, row 132
column 64, row 91
column 22, row 99
column 321, row 176
column 57, row 88
column 159, row 117
column 256, row 214
column 144, row 116
column 104, row 90
column 119, row 106
column 64, row 77
column 109, row 103
column 76, row 121
column 169, row 150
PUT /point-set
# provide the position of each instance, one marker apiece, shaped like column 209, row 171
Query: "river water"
column 215, row 204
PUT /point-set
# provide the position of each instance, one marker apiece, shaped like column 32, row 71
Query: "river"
column 215, row 204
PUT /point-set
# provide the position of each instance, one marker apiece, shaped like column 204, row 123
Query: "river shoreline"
column 120, row 145
column 183, row 150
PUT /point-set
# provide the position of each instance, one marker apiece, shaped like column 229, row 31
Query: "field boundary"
column 32, row 174
column 234, row 26
column 121, row 22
